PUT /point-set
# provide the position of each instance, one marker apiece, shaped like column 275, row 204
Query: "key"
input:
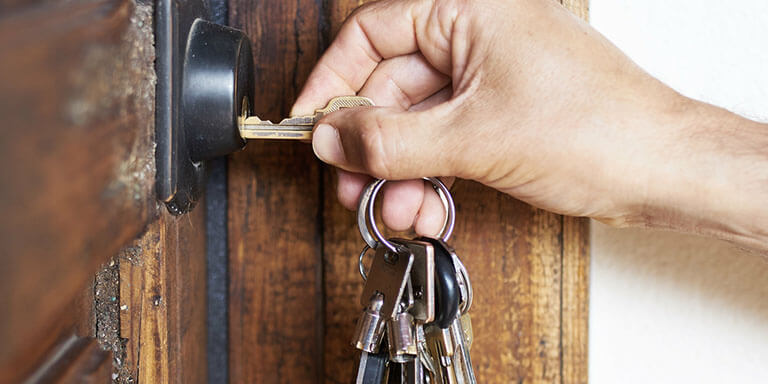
column 422, row 279
column 370, row 326
column 372, row 368
column 465, row 285
column 447, row 290
column 449, row 353
column 442, row 348
column 412, row 372
column 460, row 331
column 297, row 127
column 424, row 356
column 388, row 275
column 461, row 335
column 402, row 338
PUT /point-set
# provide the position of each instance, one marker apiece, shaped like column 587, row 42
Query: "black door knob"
column 204, row 84
column 217, row 89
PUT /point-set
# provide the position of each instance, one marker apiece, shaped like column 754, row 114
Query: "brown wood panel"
column 75, row 360
column 162, row 302
column 275, row 238
column 529, row 266
column 575, row 309
column 76, row 157
column 74, row 355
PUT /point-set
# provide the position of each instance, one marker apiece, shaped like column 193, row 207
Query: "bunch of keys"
column 415, row 326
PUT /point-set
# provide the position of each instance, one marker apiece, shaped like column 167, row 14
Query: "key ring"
column 365, row 213
column 360, row 266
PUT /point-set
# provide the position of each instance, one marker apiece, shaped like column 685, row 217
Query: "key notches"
column 296, row 127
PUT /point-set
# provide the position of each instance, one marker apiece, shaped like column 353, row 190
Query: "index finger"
column 374, row 32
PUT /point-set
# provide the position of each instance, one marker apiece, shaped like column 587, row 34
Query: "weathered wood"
column 75, row 360
column 77, row 99
column 529, row 267
column 69, row 352
column 162, row 302
column 76, row 87
column 275, row 239
column 575, row 307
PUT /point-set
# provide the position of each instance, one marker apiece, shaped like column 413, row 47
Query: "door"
column 100, row 282
column 293, row 279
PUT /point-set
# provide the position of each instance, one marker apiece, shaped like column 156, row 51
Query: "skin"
column 524, row 97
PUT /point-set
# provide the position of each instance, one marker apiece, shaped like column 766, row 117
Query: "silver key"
column 370, row 326
column 422, row 279
column 461, row 334
column 424, row 356
column 412, row 372
column 388, row 275
column 442, row 348
column 402, row 338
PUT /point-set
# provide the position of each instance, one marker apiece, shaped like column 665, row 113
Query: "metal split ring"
column 360, row 265
column 373, row 236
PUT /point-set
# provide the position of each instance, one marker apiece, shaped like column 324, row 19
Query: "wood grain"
column 575, row 306
column 163, row 301
column 274, row 194
column 529, row 267
column 76, row 157
column 77, row 154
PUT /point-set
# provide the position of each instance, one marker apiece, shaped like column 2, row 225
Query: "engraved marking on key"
column 297, row 127
column 388, row 275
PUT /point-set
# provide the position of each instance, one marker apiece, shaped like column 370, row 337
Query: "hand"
column 525, row 98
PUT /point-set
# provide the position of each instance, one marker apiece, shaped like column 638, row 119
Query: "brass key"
column 298, row 127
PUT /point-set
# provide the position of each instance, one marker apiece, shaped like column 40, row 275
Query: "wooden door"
column 100, row 283
column 293, row 249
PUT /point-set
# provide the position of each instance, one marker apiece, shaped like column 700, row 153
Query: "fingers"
column 401, row 202
column 375, row 32
column 405, row 204
column 385, row 143
column 431, row 216
column 439, row 97
column 349, row 187
column 403, row 81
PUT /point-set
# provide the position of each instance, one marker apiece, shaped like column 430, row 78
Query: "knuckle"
column 377, row 144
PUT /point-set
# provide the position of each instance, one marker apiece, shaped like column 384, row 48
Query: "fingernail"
column 326, row 143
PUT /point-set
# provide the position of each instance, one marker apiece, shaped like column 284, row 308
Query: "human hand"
column 518, row 95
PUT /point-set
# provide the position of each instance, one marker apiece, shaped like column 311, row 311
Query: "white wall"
column 664, row 307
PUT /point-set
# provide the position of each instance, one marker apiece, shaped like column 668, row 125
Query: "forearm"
column 715, row 183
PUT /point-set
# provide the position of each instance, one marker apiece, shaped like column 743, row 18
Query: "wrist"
column 712, row 179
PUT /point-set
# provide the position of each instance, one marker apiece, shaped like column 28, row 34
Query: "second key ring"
column 373, row 236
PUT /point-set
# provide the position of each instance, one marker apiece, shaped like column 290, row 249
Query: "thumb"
column 384, row 143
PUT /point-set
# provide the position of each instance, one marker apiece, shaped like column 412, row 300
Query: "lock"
column 217, row 89
column 204, row 87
